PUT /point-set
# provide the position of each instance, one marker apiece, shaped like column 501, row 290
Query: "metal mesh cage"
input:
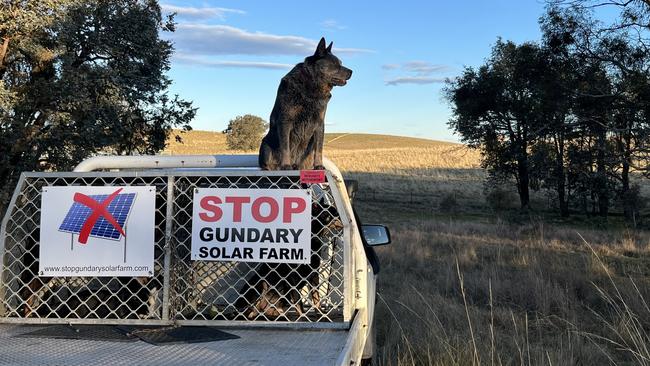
column 181, row 290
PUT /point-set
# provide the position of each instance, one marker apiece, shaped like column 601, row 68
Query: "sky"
column 231, row 55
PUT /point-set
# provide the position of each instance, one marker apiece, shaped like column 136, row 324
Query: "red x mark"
column 98, row 210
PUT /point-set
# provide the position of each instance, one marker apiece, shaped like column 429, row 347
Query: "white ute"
column 295, row 309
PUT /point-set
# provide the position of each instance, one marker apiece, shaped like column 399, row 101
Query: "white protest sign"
column 252, row 225
column 97, row 231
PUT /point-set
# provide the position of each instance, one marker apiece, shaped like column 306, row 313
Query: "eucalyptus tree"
column 497, row 108
column 80, row 78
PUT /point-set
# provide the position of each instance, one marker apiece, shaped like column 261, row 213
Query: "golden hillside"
column 355, row 151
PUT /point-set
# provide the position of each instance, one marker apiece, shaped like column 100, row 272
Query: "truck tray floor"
column 253, row 347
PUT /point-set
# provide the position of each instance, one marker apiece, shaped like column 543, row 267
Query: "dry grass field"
column 462, row 284
column 386, row 165
column 382, row 153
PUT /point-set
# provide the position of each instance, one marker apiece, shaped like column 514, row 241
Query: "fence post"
column 169, row 221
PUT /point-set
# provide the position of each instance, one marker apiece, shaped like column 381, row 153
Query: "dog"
column 297, row 123
column 276, row 287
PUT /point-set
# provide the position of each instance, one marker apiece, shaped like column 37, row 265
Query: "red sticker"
column 312, row 176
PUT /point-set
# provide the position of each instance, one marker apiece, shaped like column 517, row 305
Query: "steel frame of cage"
column 348, row 293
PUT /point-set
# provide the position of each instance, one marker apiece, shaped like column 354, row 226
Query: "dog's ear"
column 329, row 48
column 320, row 49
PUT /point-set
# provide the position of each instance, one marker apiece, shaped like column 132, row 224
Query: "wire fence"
column 179, row 289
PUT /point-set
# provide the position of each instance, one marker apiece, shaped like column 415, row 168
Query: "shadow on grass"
column 532, row 291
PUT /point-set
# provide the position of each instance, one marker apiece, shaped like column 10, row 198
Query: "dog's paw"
column 285, row 167
column 252, row 314
column 319, row 167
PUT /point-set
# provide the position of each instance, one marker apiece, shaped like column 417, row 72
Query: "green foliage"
column 608, row 116
column 245, row 132
column 497, row 108
column 83, row 78
column 569, row 114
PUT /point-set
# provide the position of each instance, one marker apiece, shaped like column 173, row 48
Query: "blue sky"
column 231, row 55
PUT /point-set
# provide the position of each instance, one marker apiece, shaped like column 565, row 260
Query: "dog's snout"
column 348, row 73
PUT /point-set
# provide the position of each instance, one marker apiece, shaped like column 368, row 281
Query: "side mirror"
column 376, row 235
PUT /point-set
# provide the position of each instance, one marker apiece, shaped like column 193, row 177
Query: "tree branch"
column 3, row 53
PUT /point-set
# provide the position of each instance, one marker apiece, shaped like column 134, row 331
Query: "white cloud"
column 414, row 80
column 191, row 60
column 418, row 72
column 331, row 24
column 424, row 68
column 390, row 66
column 199, row 13
column 205, row 39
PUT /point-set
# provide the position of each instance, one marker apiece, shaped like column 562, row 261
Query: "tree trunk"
column 3, row 50
column 628, row 200
column 601, row 176
column 561, row 193
column 3, row 53
column 523, row 182
column 628, row 209
column 561, row 178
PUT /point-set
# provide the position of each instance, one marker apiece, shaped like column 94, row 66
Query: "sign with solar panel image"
column 97, row 231
column 110, row 221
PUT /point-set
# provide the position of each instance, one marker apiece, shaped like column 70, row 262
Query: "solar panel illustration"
column 119, row 208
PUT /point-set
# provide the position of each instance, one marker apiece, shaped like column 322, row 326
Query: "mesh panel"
column 28, row 296
column 193, row 290
column 258, row 291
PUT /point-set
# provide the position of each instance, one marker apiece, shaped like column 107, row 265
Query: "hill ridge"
column 214, row 141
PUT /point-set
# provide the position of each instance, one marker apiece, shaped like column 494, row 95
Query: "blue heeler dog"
column 295, row 137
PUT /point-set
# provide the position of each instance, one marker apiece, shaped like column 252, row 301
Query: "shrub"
column 245, row 132
column 634, row 201
column 448, row 203
column 500, row 199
